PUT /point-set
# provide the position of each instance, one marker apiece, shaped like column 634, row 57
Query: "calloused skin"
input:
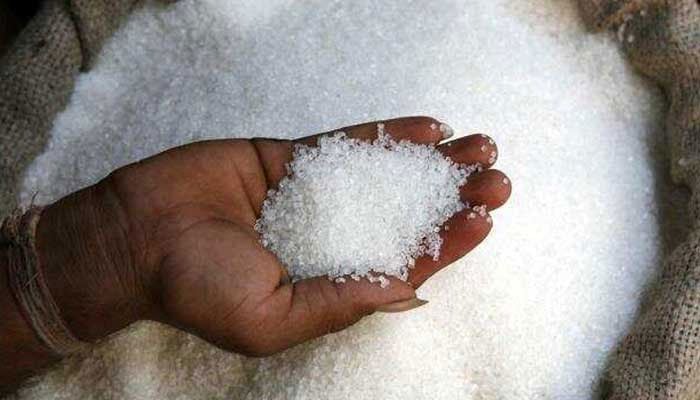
column 171, row 239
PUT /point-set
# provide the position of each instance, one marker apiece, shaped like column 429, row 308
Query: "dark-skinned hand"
column 172, row 239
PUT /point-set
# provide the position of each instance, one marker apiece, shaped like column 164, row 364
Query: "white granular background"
column 350, row 207
column 531, row 314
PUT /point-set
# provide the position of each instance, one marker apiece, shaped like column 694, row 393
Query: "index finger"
column 421, row 130
column 275, row 154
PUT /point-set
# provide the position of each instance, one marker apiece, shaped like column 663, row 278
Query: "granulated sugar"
column 350, row 207
column 532, row 313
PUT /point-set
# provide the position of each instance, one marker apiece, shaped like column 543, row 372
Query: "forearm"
column 21, row 351
column 84, row 256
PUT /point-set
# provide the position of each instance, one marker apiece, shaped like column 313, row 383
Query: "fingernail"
column 492, row 157
column 401, row 306
column 447, row 131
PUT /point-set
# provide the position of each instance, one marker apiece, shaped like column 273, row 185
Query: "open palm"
column 191, row 212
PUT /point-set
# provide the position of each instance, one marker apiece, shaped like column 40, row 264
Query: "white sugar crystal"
column 533, row 313
column 353, row 207
column 481, row 210
column 383, row 281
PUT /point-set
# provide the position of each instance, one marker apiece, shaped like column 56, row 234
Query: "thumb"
column 315, row 307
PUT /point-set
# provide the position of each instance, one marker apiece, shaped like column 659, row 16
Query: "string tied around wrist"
column 28, row 284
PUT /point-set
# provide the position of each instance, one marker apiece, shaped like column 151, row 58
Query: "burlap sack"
column 660, row 358
column 37, row 75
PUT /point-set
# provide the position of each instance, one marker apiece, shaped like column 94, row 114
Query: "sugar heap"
column 532, row 313
column 351, row 207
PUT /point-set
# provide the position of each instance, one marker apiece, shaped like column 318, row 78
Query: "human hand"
column 172, row 239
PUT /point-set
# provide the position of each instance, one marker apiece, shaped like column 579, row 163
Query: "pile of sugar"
column 357, row 208
column 532, row 313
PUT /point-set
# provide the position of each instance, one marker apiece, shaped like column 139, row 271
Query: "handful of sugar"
column 361, row 209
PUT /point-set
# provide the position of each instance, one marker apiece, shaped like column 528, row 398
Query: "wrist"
column 83, row 247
